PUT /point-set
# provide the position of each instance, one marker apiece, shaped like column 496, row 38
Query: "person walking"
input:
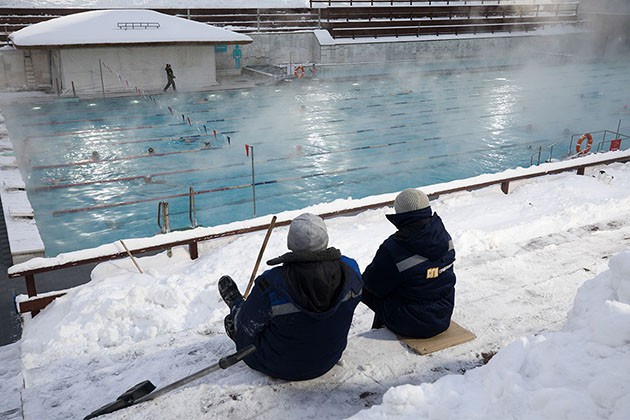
column 170, row 77
column 410, row 283
column 298, row 314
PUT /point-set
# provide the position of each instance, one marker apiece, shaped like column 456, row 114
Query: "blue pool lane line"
column 260, row 183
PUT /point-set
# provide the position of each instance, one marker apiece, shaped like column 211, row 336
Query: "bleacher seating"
column 358, row 18
column 442, row 17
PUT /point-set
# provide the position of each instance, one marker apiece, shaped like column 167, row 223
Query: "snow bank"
column 578, row 372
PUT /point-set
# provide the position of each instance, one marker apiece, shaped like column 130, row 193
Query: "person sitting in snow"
column 298, row 314
column 410, row 283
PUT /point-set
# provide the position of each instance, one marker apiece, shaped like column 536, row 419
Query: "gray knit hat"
column 410, row 200
column 307, row 233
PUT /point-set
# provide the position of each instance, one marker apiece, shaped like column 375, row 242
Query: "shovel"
column 143, row 391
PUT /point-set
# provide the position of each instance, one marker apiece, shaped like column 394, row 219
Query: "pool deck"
column 24, row 241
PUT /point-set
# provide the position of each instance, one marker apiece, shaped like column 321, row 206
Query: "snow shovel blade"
column 143, row 391
column 137, row 391
column 125, row 399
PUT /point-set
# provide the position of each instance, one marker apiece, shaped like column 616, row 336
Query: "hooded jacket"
column 412, row 275
column 298, row 315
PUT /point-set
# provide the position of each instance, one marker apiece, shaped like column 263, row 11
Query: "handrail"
column 600, row 145
column 539, row 153
column 365, row 3
column 26, row 270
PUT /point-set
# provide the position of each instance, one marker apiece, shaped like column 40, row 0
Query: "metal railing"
column 610, row 141
column 249, row 20
column 539, row 154
column 26, row 270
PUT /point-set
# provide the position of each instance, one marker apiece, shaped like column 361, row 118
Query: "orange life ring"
column 589, row 143
column 299, row 72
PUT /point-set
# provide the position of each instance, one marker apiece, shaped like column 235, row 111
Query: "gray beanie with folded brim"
column 307, row 232
column 410, row 200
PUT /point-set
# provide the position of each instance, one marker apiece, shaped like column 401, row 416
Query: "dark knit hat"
column 410, row 200
column 307, row 233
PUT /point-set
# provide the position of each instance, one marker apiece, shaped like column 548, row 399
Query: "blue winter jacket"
column 412, row 276
column 298, row 315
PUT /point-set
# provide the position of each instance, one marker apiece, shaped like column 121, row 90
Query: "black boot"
column 228, row 323
column 229, row 291
column 377, row 322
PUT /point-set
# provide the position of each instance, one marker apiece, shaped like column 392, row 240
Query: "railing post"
column 505, row 187
column 192, row 208
column 31, row 290
column 100, row 66
column 193, row 250
column 257, row 20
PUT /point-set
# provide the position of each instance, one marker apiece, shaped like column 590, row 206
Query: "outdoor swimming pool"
column 313, row 141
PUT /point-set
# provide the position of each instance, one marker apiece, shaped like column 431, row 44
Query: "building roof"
column 107, row 27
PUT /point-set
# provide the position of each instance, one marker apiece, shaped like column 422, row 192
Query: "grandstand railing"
column 350, row 19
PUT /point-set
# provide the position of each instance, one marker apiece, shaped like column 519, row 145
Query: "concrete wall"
column 318, row 47
column 142, row 67
column 12, row 74
column 195, row 66
column 281, row 48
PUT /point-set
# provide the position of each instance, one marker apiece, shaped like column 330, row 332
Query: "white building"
column 116, row 50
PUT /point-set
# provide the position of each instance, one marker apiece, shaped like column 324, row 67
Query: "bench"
column 437, row 30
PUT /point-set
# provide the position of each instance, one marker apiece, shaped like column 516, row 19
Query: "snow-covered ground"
column 521, row 258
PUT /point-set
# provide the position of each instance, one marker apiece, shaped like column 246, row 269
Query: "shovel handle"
column 227, row 361
column 260, row 255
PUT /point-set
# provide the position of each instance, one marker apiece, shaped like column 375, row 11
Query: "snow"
column 521, row 259
column 103, row 27
column 322, row 208
column 543, row 280
column 21, row 228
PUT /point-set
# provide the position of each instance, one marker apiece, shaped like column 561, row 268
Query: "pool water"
column 314, row 140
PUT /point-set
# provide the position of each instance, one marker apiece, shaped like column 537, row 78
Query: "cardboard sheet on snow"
column 454, row 335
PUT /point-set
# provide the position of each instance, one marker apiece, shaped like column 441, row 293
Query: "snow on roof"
column 122, row 27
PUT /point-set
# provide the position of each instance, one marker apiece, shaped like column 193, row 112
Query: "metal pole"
column 74, row 92
column 253, row 181
column 100, row 65
column 257, row 20
column 167, row 224
column 192, row 208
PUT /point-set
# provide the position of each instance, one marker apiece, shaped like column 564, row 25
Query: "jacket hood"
column 315, row 281
column 425, row 236
column 401, row 219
